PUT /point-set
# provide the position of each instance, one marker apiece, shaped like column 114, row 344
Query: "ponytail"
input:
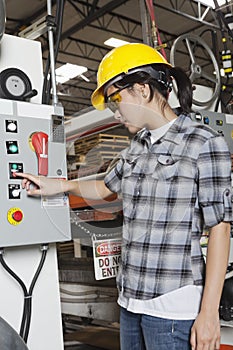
column 145, row 75
column 184, row 88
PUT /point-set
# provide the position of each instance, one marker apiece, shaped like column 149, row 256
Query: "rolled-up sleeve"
column 214, row 182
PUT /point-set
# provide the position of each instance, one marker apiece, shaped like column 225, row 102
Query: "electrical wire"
column 31, row 288
column 27, row 308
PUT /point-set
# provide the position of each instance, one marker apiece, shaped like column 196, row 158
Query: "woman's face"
column 129, row 107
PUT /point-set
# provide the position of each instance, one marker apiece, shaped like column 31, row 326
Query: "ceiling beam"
column 112, row 5
column 195, row 15
column 25, row 22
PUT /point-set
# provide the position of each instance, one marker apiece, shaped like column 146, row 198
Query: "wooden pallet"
column 65, row 249
column 100, row 157
column 95, row 153
column 88, row 170
column 84, row 145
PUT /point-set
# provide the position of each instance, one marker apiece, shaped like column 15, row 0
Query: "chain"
column 74, row 220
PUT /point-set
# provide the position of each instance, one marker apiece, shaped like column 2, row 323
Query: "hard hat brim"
column 97, row 99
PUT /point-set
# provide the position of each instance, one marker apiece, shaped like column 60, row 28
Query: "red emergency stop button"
column 17, row 216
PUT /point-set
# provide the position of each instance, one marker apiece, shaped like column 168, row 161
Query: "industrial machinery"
column 32, row 140
column 221, row 122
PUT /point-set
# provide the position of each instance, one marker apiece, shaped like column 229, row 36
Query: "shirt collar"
column 156, row 134
column 178, row 129
column 174, row 134
column 143, row 136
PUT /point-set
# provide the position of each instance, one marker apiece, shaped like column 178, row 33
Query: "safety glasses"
column 112, row 101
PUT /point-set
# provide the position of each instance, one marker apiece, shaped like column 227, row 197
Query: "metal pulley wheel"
column 200, row 64
column 15, row 85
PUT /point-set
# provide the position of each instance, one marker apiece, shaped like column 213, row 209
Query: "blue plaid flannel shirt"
column 171, row 191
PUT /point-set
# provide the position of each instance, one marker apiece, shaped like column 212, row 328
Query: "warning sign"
column 107, row 254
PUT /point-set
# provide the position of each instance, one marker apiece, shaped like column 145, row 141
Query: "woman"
column 175, row 181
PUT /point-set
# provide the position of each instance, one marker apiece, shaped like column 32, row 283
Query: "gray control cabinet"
column 26, row 220
column 220, row 122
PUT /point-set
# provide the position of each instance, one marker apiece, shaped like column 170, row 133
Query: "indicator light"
column 206, row 120
column 14, row 168
column 11, row 126
column 13, row 148
column 16, row 193
column 198, row 117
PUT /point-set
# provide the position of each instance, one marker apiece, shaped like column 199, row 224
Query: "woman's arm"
column 40, row 185
column 205, row 334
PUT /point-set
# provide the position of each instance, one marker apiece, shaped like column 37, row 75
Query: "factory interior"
column 60, row 254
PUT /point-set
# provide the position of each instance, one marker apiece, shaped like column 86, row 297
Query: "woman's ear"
column 143, row 90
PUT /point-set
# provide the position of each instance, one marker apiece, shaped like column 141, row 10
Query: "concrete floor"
column 97, row 335
column 79, row 346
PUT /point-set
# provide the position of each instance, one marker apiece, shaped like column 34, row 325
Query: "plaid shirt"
column 171, row 190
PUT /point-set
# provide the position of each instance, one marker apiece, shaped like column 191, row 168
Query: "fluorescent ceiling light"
column 69, row 71
column 84, row 78
column 210, row 3
column 113, row 42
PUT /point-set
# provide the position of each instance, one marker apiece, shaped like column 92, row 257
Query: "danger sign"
column 107, row 254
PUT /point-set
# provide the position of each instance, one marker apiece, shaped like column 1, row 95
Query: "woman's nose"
column 117, row 115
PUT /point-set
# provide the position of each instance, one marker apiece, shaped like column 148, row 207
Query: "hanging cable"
column 157, row 42
column 27, row 308
column 44, row 249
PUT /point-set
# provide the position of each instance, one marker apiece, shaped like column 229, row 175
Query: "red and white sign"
column 107, row 254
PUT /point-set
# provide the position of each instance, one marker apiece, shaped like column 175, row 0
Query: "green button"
column 13, row 148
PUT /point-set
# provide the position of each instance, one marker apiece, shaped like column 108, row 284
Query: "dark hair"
column 184, row 85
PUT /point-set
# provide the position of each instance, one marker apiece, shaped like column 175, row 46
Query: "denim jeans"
column 142, row 332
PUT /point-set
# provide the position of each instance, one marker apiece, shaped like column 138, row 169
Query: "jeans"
column 143, row 332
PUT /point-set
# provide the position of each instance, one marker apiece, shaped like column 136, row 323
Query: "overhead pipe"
column 52, row 58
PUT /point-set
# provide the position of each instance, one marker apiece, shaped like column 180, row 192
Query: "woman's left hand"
column 205, row 333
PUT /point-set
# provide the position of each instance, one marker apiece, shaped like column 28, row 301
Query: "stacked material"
column 95, row 153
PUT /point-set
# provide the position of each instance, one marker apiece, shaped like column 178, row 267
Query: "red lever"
column 40, row 144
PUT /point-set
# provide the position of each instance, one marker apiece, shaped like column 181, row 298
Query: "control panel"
column 220, row 122
column 30, row 143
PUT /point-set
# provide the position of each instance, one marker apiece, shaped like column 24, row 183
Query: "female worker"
column 174, row 180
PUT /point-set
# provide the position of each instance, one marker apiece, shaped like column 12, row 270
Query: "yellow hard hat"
column 119, row 61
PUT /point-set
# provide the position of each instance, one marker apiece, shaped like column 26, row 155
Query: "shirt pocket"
column 166, row 168
column 175, row 189
column 132, row 166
